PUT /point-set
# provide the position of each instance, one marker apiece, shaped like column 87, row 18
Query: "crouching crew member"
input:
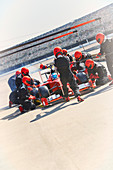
column 21, row 94
column 81, row 57
column 96, row 72
column 11, row 81
column 61, row 62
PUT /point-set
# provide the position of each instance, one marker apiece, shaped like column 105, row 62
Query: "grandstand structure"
column 38, row 48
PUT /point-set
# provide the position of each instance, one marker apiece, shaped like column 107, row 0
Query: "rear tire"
column 13, row 97
column 82, row 77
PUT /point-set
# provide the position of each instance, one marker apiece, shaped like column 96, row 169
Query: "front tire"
column 44, row 91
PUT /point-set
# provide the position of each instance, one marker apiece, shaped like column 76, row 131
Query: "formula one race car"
column 51, row 90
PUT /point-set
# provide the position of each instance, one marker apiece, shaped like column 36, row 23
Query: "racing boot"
column 67, row 99
column 91, row 83
column 21, row 109
column 111, row 83
column 79, row 99
column 109, row 77
column 10, row 104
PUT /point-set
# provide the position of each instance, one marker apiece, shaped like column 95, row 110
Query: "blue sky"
column 21, row 20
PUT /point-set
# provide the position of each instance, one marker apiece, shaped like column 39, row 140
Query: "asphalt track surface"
column 65, row 136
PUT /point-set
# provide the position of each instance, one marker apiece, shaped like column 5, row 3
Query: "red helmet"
column 100, row 38
column 78, row 55
column 24, row 71
column 17, row 73
column 43, row 66
column 57, row 50
column 27, row 81
column 89, row 64
column 64, row 51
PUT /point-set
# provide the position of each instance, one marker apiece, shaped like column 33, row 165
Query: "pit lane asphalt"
column 66, row 136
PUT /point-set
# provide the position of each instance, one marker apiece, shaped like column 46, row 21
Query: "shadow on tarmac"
column 12, row 116
column 59, row 107
column 4, row 108
column 7, row 107
column 105, row 89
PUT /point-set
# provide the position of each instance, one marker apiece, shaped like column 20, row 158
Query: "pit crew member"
column 61, row 62
column 96, row 72
column 68, row 55
column 106, row 47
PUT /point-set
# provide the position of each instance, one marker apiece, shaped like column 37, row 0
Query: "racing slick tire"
column 35, row 92
column 28, row 105
column 13, row 97
column 82, row 77
column 44, row 91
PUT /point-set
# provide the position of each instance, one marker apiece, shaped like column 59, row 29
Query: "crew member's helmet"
column 78, row 55
column 43, row 66
column 89, row 63
column 28, row 81
column 100, row 38
column 24, row 71
column 64, row 51
column 17, row 73
column 54, row 76
column 57, row 51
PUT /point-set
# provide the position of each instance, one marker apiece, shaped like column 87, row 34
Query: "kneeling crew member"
column 96, row 72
